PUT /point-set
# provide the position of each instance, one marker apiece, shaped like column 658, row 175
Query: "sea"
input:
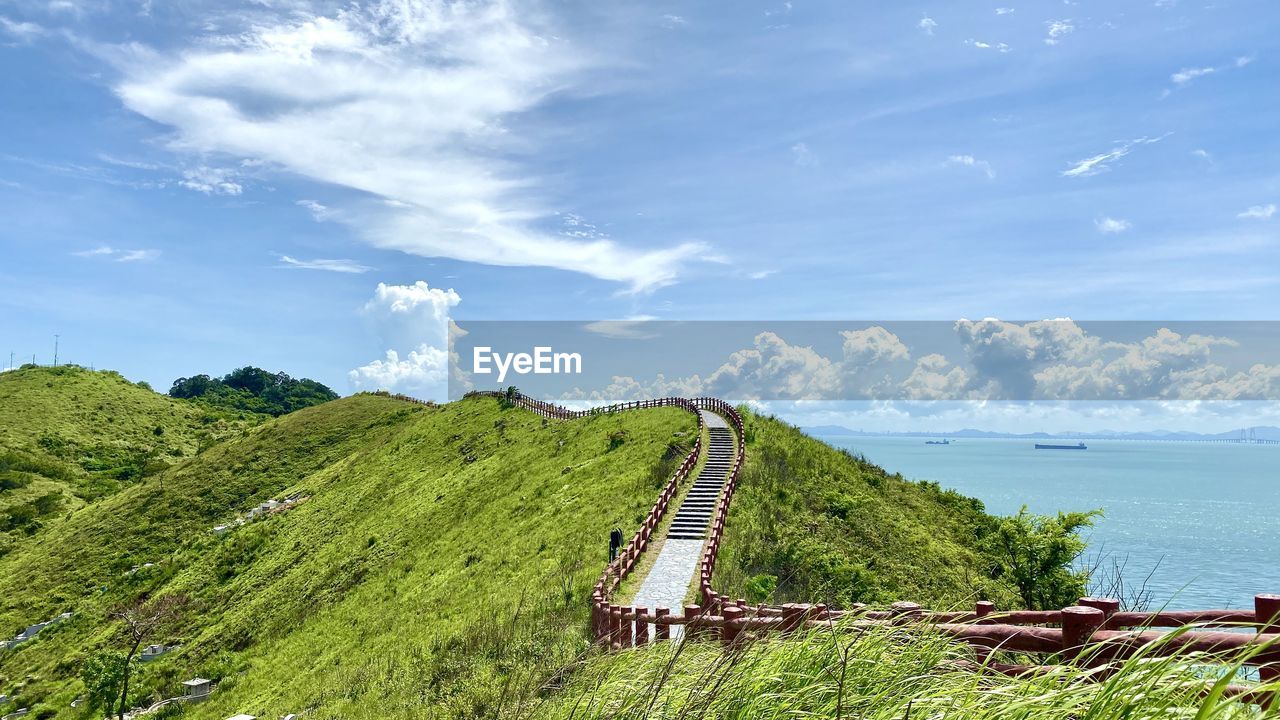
column 1198, row 523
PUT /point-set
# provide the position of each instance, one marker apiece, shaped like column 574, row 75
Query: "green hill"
column 439, row 559
column 70, row 435
column 826, row 526
column 438, row 568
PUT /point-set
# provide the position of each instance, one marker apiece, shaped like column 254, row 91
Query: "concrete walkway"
column 677, row 563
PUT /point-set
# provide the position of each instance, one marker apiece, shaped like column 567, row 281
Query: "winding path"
column 673, row 571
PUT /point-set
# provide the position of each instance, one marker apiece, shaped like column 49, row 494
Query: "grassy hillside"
column 825, row 526
column 871, row 673
column 70, row 435
column 439, row 567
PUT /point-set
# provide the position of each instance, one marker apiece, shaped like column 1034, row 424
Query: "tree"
column 102, row 674
column 141, row 620
column 1036, row 554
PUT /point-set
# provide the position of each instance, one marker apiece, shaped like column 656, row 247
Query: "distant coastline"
column 1260, row 435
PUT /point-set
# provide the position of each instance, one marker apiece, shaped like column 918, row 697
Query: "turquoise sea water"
column 1209, row 514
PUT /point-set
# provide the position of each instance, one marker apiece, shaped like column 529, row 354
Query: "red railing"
column 1093, row 633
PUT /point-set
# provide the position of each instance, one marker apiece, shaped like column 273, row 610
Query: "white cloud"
column 1057, row 29
column 761, row 274
column 318, row 211
column 1005, row 10
column 673, row 21
column 413, row 320
column 802, row 155
column 1186, row 75
column 633, row 328
column 1203, row 154
column 1259, row 212
column 927, row 25
column 1000, row 47
column 20, row 30
column 972, row 162
column 1102, row 162
column 118, row 255
column 340, row 266
column 137, row 255
column 416, row 105
column 1112, row 226
column 211, row 181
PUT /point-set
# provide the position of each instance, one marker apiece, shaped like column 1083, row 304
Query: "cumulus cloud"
column 415, row 105
column 412, row 322
column 1049, row 360
column 927, row 25
column 339, row 266
column 972, row 162
column 1259, row 212
column 1112, row 226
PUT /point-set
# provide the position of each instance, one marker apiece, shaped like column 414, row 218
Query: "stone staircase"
column 694, row 516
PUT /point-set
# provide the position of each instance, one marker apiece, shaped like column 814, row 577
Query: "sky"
column 316, row 187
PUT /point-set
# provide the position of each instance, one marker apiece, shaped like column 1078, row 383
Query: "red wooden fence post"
column 904, row 612
column 660, row 630
column 691, row 613
column 729, row 632
column 642, row 627
column 1078, row 625
column 627, row 616
column 792, row 617
column 615, row 626
column 1108, row 606
column 1266, row 611
column 982, row 609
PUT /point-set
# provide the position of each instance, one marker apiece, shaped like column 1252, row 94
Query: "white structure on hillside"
column 242, row 716
column 151, row 652
column 197, row 687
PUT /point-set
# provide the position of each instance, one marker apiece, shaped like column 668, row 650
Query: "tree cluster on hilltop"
column 254, row 390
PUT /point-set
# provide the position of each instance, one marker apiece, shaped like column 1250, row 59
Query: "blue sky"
column 192, row 186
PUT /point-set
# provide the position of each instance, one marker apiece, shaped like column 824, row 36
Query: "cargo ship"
column 1044, row 446
column 937, row 442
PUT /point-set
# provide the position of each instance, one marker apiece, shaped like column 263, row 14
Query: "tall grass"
column 869, row 672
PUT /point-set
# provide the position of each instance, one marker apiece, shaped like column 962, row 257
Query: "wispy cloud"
column 119, row 255
column 1186, row 75
column 20, row 30
column 1112, row 226
column 1056, row 30
column 318, row 211
column 801, row 155
column 671, row 22
column 406, row 103
column 981, row 45
column 972, row 162
column 1259, row 212
column 761, row 274
column 1005, row 10
column 1102, row 162
column 211, row 181
column 927, row 25
column 339, row 266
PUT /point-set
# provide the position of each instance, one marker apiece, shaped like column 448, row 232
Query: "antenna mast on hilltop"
column 55, row 349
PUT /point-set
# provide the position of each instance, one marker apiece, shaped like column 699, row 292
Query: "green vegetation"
column 70, row 436
column 871, row 673
column 439, row 568
column 252, row 389
column 811, row 523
